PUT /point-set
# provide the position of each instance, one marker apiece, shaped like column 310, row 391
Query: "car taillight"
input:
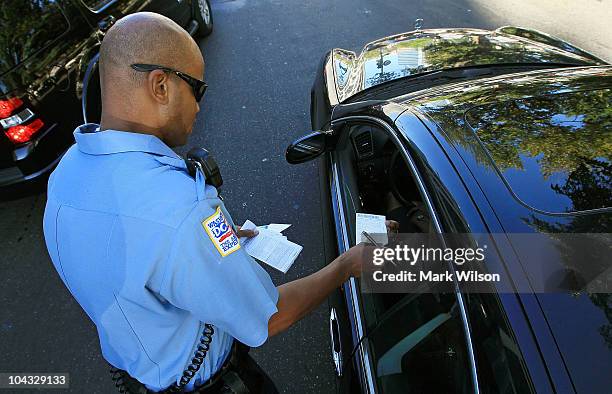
column 7, row 107
column 23, row 133
column 20, row 126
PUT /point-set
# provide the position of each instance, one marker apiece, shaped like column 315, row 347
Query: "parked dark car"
column 468, row 131
column 49, row 82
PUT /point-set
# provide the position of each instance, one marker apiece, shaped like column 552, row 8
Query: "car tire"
column 203, row 15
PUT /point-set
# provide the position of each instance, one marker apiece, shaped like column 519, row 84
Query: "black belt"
column 227, row 374
column 226, row 377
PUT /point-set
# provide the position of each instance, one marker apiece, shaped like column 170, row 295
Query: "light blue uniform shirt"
column 150, row 255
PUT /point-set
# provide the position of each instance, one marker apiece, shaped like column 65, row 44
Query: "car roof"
column 539, row 146
column 547, row 134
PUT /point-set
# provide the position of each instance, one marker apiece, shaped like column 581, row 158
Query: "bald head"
column 155, row 102
column 143, row 37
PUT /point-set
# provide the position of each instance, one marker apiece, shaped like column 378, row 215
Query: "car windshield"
column 27, row 26
column 416, row 53
column 400, row 56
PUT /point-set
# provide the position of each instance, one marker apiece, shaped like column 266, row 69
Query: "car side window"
column 418, row 344
column 501, row 367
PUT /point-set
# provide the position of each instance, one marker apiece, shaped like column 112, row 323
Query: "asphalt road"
column 260, row 64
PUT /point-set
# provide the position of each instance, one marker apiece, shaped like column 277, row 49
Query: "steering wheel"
column 401, row 181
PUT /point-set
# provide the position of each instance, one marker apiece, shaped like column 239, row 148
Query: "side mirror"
column 306, row 148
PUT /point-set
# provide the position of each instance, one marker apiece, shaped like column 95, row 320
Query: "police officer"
column 150, row 253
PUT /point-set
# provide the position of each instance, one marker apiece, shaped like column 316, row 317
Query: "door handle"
column 336, row 343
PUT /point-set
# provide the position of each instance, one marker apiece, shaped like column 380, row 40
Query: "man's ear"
column 158, row 84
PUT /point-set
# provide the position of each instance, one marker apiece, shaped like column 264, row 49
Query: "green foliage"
column 482, row 49
column 26, row 26
column 560, row 130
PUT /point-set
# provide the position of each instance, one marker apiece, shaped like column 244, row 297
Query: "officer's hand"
column 246, row 233
column 357, row 259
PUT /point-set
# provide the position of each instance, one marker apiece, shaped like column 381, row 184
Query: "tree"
column 26, row 26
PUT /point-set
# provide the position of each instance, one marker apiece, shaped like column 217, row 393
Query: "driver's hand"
column 392, row 226
column 246, row 233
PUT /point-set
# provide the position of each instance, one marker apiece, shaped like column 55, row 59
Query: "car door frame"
column 360, row 353
column 363, row 358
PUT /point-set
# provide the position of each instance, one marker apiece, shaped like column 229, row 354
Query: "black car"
column 465, row 131
column 49, row 82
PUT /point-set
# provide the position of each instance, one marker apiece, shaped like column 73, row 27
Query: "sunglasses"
column 198, row 87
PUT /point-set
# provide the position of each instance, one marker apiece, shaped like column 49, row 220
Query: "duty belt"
column 225, row 380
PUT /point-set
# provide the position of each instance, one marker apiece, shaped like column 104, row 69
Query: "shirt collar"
column 92, row 141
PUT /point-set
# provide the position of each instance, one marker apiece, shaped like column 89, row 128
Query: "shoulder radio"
column 200, row 158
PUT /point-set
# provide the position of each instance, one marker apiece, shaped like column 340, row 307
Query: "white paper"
column 373, row 225
column 278, row 227
column 270, row 247
column 270, row 233
column 248, row 225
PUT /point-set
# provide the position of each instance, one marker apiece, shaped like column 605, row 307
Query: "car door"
column 390, row 352
column 385, row 347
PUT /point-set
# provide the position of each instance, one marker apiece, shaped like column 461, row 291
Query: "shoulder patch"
column 221, row 233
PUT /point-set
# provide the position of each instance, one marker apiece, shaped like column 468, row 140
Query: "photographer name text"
column 430, row 276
